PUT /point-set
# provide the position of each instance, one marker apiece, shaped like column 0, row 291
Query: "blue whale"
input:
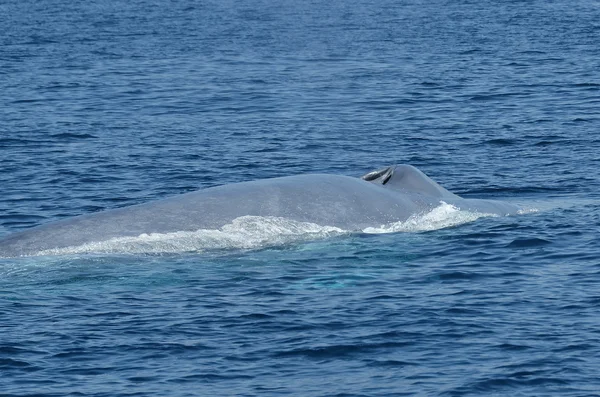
column 392, row 194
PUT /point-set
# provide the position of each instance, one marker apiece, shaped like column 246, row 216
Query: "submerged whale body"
column 392, row 194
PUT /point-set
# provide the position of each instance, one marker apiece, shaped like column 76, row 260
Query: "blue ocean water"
column 111, row 103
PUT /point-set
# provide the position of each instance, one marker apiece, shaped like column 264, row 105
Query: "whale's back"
column 351, row 204
column 327, row 200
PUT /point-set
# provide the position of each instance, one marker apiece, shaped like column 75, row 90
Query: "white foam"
column 246, row 232
column 253, row 232
column 445, row 215
column 528, row 210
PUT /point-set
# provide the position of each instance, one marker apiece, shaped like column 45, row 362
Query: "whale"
column 383, row 196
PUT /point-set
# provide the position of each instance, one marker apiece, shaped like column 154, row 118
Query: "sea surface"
column 105, row 104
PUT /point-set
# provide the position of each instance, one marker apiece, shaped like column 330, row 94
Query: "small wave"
column 445, row 215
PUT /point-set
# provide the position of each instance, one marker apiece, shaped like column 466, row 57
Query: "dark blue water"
column 110, row 103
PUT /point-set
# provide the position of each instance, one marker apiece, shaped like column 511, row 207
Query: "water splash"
column 445, row 215
column 246, row 232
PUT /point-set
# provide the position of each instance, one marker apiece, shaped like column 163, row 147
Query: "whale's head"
column 408, row 179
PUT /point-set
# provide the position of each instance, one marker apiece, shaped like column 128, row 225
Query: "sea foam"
column 255, row 232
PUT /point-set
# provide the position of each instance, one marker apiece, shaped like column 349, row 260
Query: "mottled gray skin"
column 379, row 198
